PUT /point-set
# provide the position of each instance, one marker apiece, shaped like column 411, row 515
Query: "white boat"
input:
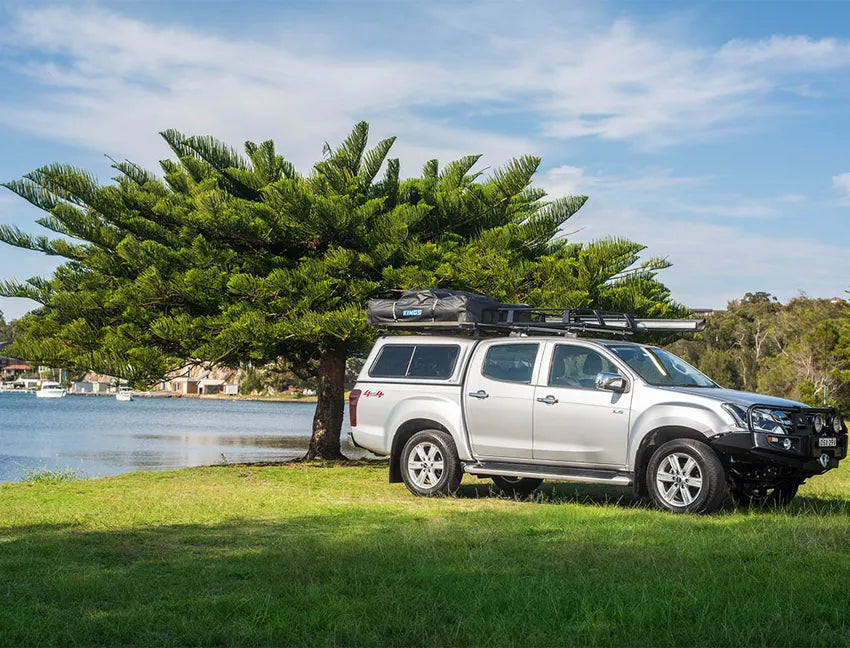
column 124, row 394
column 51, row 390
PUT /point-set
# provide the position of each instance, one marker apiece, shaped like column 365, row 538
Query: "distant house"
column 26, row 383
column 209, row 386
column 11, row 368
column 12, row 371
column 204, row 380
column 90, row 387
column 836, row 300
column 704, row 312
column 183, row 385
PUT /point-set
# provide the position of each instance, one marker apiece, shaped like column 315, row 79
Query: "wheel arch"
column 402, row 435
column 658, row 437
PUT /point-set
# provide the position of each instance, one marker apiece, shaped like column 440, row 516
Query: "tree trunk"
column 330, row 407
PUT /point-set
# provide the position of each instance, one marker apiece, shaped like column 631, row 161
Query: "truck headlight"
column 836, row 424
column 762, row 420
column 818, row 423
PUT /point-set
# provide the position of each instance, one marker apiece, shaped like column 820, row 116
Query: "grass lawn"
column 314, row 555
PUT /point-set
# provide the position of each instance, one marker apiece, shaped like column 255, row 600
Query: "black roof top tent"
column 438, row 310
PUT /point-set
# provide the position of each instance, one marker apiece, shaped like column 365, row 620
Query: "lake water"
column 98, row 436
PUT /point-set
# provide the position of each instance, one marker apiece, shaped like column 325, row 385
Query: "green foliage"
column 51, row 476
column 250, row 382
column 277, row 377
column 5, row 329
column 790, row 350
column 231, row 259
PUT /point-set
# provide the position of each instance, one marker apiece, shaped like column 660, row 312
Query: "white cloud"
column 114, row 82
column 110, row 82
column 801, row 52
column 573, row 180
column 717, row 254
column 842, row 182
column 714, row 262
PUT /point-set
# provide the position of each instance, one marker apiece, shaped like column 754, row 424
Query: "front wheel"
column 686, row 476
column 430, row 465
column 516, row 486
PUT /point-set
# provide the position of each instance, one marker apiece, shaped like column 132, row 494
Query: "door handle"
column 479, row 394
column 549, row 400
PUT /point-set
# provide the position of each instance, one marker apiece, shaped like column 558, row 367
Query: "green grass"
column 314, row 555
column 49, row 476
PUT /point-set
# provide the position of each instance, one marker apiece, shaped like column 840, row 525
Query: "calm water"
column 97, row 435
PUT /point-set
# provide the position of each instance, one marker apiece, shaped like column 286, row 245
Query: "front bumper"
column 802, row 458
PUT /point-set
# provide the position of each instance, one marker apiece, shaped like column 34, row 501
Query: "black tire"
column 439, row 471
column 515, row 486
column 763, row 498
column 699, row 486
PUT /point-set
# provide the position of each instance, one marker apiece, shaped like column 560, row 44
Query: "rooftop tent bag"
column 436, row 305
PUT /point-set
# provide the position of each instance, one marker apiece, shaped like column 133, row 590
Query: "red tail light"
column 353, row 397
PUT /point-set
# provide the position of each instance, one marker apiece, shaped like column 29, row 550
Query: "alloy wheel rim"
column 425, row 465
column 679, row 479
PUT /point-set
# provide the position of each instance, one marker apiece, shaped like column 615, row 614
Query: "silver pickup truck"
column 521, row 409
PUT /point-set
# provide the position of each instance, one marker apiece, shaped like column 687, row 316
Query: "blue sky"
column 715, row 133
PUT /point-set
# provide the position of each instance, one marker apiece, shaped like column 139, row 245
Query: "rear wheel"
column 516, row 486
column 686, row 476
column 430, row 465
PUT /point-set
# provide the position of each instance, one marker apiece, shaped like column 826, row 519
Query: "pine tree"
column 229, row 258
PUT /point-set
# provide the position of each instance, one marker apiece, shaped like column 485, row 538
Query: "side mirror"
column 614, row 382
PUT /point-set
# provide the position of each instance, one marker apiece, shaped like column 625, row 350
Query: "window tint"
column 433, row 361
column 421, row 361
column 574, row 366
column 392, row 361
column 511, row 362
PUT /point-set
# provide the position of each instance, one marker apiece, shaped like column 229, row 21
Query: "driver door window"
column 574, row 366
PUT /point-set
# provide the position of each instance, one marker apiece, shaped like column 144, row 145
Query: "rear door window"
column 510, row 362
column 433, row 361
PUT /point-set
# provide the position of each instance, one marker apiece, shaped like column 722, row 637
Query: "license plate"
column 827, row 442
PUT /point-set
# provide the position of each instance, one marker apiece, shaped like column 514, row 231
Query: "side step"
column 585, row 475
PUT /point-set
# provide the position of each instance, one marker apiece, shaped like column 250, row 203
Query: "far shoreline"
column 276, row 398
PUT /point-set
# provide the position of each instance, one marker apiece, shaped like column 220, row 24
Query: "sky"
column 716, row 134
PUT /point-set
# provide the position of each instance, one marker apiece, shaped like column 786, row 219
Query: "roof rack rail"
column 438, row 309
column 548, row 321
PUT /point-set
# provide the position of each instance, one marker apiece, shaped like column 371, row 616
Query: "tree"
column 793, row 350
column 232, row 259
column 5, row 329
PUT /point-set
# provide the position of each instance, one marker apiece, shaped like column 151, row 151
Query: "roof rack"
column 548, row 321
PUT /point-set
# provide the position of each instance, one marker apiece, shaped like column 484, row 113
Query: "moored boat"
column 51, row 390
column 124, row 394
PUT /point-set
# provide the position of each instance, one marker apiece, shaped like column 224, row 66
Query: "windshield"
column 660, row 368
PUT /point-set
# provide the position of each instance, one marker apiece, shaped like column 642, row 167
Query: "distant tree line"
column 5, row 329
column 795, row 350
